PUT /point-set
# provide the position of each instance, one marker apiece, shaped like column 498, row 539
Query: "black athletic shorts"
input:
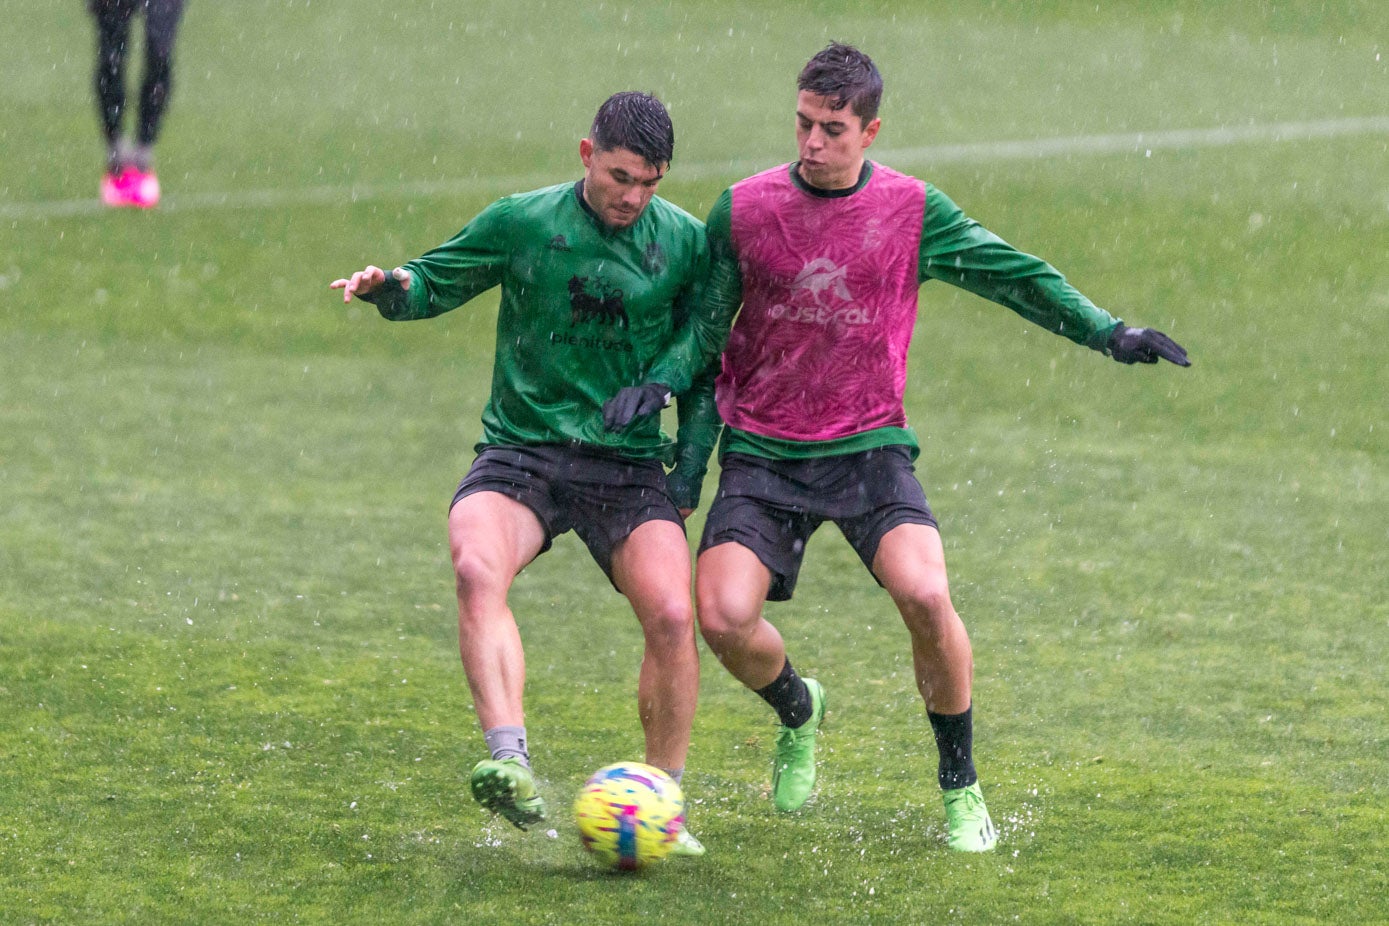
column 602, row 497
column 773, row 506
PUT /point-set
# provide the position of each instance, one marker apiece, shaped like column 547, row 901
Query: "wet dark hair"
column 847, row 76
column 635, row 121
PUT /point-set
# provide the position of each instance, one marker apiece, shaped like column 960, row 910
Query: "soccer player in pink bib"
column 824, row 257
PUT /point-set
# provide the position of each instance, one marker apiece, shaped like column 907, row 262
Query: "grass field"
column 228, row 659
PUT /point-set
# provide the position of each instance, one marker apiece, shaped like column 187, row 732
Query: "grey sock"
column 508, row 743
column 143, row 157
column 675, row 773
column 117, row 155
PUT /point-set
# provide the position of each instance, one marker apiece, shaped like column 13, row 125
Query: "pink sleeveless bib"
column 819, row 350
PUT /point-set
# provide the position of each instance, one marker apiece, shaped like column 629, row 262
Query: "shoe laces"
column 795, row 736
column 966, row 802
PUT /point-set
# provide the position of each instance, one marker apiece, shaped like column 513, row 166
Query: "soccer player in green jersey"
column 595, row 276
column 816, row 267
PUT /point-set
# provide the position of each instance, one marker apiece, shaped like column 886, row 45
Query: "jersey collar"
column 593, row 217
column 864, row 174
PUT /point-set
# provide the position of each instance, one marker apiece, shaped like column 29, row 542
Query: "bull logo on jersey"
column 595, row 301
column 820, row 279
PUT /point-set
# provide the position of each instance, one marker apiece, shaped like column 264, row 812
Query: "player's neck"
column 831, row 189
column 841, row 180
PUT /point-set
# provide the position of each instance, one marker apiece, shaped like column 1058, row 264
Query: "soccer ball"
column 629, row 815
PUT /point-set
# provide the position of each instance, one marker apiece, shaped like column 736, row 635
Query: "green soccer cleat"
column 971, row 830
column 507, row 787
column 793, row 766
column 687, row 846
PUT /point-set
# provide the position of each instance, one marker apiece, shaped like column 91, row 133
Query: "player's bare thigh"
column 492, row 538
column 731, row 583
column 910, row 563
column 652, row 568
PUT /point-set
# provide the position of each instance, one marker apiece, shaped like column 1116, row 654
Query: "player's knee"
column 670, row 625
column 935, row 601
column 714, row 619
column 723, row 628
column 475, row 572
column 715, row 634
column 927, row 607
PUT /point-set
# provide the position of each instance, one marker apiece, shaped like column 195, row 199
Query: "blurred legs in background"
column 129, row 179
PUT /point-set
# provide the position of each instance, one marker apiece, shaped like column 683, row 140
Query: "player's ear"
column 870, row 131
column 586, row 152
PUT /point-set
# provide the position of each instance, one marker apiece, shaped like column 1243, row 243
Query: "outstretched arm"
column 960, row 251
column 442, row 279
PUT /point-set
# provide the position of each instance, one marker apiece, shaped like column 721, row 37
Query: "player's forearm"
column 469, row 263
column 1037, row 292
column 702, row 337
column 960, row 251
column 699, row 424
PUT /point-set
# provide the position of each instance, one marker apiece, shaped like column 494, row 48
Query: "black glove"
column 389, row 291
column 634, row 402
column 1144, row 345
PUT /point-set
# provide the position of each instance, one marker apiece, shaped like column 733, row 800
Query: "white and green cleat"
column 793, row 766
column 507, row 787
column 687, row 846
column 971, row 829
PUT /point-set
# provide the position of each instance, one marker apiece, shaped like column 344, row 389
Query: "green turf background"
column 227, row 649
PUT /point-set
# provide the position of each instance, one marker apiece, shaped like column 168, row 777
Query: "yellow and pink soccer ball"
column 629, row 815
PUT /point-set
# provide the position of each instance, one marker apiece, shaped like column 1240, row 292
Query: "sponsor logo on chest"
column 819, row 295
column 598, row 306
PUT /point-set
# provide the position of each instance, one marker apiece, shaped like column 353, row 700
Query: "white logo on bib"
column 820, row 295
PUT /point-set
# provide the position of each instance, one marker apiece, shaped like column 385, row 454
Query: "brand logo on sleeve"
column 653, row 259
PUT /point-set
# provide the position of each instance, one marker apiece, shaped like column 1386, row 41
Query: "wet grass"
column 227, row 655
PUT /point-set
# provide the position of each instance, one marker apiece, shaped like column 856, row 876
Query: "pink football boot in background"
column 130, row 187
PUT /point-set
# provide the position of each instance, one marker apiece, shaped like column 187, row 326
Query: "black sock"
column 955, row 740
column 789, row 697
